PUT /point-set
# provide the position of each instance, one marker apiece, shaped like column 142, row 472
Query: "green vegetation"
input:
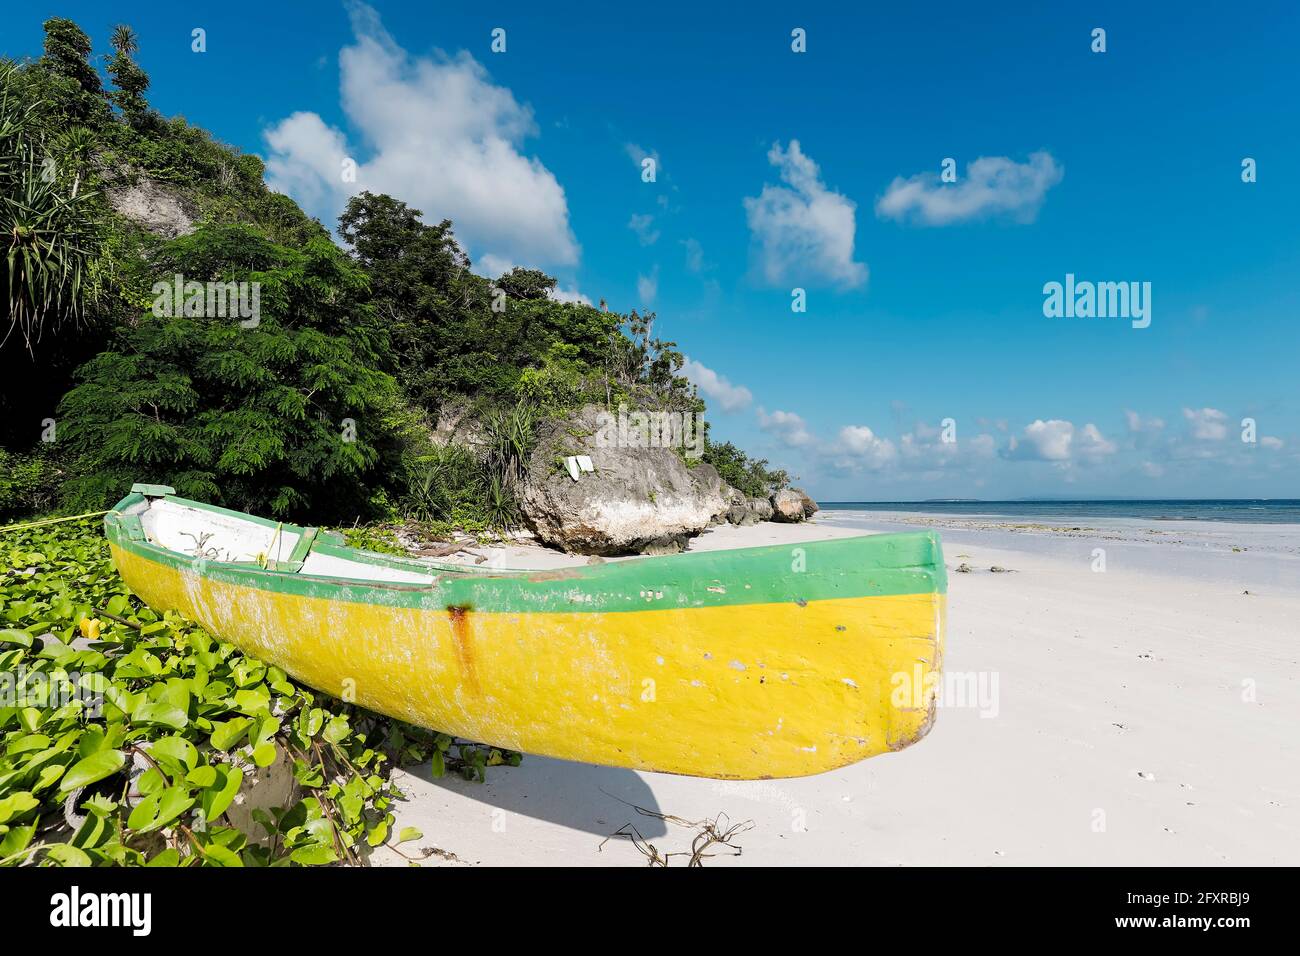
column 745, row 474
column 325, row 406
column 320, row 409
column 29, row 483
column 47, row 213
column 291, row 417
column 125, row 736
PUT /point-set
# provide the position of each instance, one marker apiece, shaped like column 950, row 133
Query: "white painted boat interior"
column 329, row 566
column 217, row 537
column 200, row 533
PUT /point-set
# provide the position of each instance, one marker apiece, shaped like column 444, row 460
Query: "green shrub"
column 750, row 476
column 445, row 483
column 510, row 434
column 29, row 483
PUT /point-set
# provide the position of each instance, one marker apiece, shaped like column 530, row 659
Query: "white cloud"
column 802, row 231
column 694, row 256
column 731, row 397
column 1136, row 423
column 1043, row 440
column 492, row 267
column 639, row 154
column 1268, row 441
column 441, row 137
column 1058, row 441
column 1090, row 443
column 569, row 295
column 1208, row 424
column 992, row 185
column 643, row 226
column 306, row 161
column 647, row 287
column 924, row 446
column 861, row 444
column 787, row 426
column 1152, row 470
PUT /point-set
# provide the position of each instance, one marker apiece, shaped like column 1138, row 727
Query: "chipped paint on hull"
column 738, row 691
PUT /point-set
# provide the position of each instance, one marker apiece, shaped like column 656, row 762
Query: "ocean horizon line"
column 1240, row 510
column 1007, row 501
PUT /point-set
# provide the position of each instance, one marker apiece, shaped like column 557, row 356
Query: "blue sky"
column 924, row 298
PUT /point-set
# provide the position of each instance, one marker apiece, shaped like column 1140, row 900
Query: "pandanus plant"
column 47, row 224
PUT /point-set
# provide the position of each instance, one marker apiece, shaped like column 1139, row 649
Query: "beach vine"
column 127, row 734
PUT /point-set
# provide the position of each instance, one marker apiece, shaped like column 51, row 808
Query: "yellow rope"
column 266, row 558
column 37, row 524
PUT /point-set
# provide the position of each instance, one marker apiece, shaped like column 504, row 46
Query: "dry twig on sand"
column 718, row 832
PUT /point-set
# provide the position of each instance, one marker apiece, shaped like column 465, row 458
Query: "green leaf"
column 264, row 754
column 12, row 636
column 145, row 812
column 97, row 766
column 337, row 730
column 252, row 701
column 204, row 776
column 16, row 805
column 17, row 839
column 174, row 802
column 378, row 833
column 92, row 741
column 221, row 856
column 92, row 830
column 227, row 734
column 150, row 782
column 177, row 749
column 26, row 744
column 317, row 854
column 159, row 713
column 408, row 834
column 159, row 809
column 215, row 802
column 65, row 854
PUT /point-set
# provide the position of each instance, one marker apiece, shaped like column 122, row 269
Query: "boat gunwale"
column 346, row 589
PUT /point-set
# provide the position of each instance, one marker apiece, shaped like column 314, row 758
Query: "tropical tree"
column 130, row 80
column 454, row 332
column 284, row 413
column 75, row 85
column 124, row 40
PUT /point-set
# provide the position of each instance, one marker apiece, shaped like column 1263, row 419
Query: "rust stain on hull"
column 462, row 636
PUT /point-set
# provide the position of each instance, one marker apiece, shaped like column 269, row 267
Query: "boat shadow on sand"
column 597, row 800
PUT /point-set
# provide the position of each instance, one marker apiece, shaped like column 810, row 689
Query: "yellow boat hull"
column 739, row 691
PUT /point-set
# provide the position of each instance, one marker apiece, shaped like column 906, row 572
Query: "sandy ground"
column 1146, row 714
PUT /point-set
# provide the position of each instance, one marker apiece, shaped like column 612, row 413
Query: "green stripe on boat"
column 869, row 566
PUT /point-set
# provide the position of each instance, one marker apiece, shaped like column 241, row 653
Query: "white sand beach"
column 1145, row 714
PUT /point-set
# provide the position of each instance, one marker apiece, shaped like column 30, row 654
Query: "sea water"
column 1246, row 511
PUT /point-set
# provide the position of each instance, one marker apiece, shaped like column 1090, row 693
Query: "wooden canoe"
column 756, row 663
